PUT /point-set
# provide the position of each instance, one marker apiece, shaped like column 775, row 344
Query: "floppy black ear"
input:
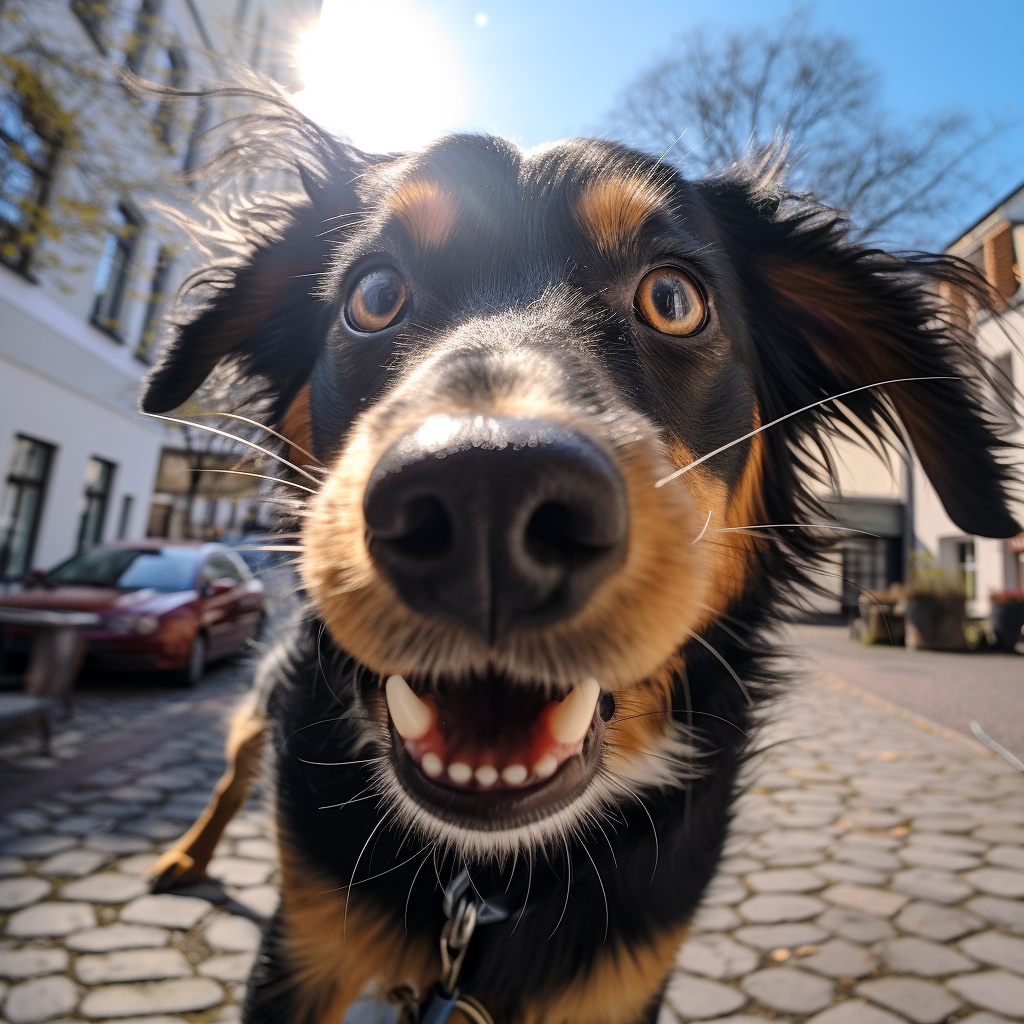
column 259, row 309
column 828, row 315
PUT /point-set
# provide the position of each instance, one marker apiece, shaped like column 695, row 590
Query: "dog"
column 551, row 418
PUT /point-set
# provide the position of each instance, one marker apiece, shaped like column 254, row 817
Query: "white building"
column 77, row 314
column 984, row 565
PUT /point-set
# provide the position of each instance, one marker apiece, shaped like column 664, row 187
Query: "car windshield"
column 166, row 569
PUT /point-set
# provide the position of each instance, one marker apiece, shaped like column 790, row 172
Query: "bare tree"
column 812, row 92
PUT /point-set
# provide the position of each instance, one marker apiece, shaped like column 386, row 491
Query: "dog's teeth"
column 571, row 719
column 515, row 774
column 546, row 766
column 486, row 775
column 460, row 772
column 412, row 717
column 432, row 765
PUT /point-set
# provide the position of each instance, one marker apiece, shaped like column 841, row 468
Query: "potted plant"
column 1007, row 617
column 879, row 622
column 935, row 608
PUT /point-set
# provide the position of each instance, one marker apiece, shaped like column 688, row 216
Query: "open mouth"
column 490, row 753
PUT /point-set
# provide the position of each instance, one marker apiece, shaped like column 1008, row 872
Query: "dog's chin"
column 486, row 758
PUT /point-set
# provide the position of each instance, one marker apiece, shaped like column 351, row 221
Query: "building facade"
column 87, row 266
column 984, row 565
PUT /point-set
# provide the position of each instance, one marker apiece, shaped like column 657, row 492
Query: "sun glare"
column 382, row 73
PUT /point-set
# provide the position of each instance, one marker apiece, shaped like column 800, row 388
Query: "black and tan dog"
column 541, row 393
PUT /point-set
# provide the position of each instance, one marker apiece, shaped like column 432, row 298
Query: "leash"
column 465, row 910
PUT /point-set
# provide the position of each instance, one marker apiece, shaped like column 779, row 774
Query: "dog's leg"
column 187, row 860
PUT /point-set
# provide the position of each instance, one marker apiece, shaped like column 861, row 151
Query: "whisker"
column 808, row 526
column 355, row 868
column 526, row 898
column 358, row 798
column 796, row 412
column 568, row 888
column 233, row 437
column 687, row 711
column 412, row 884
column 339, row 764
column 700, row 536
column 263, row 426
column 600, row 882
column 728, row 667
column 259, row 476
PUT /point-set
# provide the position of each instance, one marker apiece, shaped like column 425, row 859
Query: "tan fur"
column 296, row 427
column 613, row 210
column 618, row 988
column 188, row 859
column 334, row 955
column 426, row 212
column 728, row 555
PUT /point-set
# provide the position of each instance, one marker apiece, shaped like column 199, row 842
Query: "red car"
column 164, row 605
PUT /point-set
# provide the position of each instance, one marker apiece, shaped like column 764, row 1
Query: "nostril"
column 558, row 534
column 427, row 530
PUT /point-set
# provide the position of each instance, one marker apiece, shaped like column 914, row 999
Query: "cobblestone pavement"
column 875, row 875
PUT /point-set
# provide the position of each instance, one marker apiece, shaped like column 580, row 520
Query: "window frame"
column 157, row 297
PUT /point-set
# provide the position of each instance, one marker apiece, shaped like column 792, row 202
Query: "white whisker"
column 263, row 426
column 258, row 476
column 233, row 437
column 796, row 412
column 707, row 523
column 728, row 667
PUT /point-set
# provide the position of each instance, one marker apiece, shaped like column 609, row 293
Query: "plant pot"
column 1007, row 620
column 936, row 623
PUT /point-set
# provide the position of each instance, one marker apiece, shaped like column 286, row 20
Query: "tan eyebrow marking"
column 613, row 210
column 427, row 213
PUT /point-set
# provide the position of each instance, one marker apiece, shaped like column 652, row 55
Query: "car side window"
column 221, row 566
column 241, row 568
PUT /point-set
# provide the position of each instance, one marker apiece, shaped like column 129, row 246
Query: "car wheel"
column 194, row 668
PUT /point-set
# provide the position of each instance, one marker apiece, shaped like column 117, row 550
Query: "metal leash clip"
column 464, row 913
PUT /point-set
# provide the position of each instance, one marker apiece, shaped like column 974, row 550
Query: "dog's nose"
column 496, row 522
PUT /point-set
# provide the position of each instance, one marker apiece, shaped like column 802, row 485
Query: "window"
column 220, row 567
column 124, row 521
column 157, row 296
column 23, row 504
column 146, row 20
column 99, row 475
column 1002, row 379
column 114, row 269
column 27, row 157
column 171, row 70
column 92, row 14
column 967, row 568
column 869, row 563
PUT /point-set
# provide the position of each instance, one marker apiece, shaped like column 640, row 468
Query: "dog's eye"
column 671, row 302
column 376, row 300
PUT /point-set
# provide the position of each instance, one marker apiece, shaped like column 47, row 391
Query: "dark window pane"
column 98, row 477
column 114, row 270
column 22, row 504
column 167, row 569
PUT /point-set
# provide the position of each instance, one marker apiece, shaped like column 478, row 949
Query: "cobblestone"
column 870, row 858
column 39, row 1000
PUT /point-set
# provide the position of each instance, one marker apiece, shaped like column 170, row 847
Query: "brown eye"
column 376, row 300
column 671, row 302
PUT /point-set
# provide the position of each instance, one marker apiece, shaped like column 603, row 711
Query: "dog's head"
column 503, row 360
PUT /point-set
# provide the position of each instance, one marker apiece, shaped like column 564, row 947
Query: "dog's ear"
column 828, row 315
column 260, row 308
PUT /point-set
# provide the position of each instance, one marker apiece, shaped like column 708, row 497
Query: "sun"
column 383, row 74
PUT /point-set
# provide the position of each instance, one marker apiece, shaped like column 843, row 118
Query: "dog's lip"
column 498, row 809
column 491, row 759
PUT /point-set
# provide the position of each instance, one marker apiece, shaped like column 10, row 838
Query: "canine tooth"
column 515, row 774
column 431, row 764
column 460, row 772
column 486, row 775
column 412, row 717
column 571, row 719
column 546, row 766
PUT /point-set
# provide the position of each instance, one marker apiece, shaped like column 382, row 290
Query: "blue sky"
column 544, row 69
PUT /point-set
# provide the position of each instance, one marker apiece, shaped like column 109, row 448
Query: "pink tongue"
column 537, row 758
